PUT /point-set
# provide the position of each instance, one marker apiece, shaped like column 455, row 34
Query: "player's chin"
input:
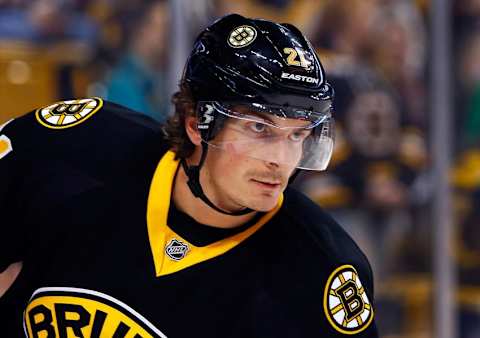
column 263, row 203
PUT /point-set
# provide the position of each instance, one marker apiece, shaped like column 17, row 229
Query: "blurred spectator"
column 13, row 3
column 301, row 13
column 42, row 45
column 44, row 21
column 376, row 161
column 344, row 27
column 466, row 16
column 466, row 184
column 389, row 36
column 466, row 171
column 468, row 91
column 138, row 80
column 399, row 36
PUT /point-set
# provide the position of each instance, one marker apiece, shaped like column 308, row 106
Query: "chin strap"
column 193, row 173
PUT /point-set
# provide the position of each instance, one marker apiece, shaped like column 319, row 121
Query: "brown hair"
column 174, row 129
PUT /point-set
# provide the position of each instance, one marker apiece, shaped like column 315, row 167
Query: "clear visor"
column 287, row 136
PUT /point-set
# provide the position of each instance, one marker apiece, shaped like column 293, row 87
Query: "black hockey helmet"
column 251, row 60
column 269, row 68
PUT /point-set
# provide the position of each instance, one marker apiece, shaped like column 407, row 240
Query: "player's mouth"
column 267, row 184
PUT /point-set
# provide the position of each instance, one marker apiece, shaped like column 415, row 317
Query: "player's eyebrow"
column 263, row 116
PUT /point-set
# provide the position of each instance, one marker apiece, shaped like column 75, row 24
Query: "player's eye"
column 257, row 127
column 299, row 136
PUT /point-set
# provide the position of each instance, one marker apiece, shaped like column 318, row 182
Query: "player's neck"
column 199, row 210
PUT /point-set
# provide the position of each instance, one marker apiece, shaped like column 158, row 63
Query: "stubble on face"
column 265, row 187
column 236, row 182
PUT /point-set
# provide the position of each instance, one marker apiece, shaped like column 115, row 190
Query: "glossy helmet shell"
column 243, row 60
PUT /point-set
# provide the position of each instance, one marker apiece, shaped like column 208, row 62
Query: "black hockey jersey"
column 85, row 204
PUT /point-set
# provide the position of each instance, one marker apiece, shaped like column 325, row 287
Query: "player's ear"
column 192, row 130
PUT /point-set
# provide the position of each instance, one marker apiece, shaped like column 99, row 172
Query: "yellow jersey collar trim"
column 171, row 252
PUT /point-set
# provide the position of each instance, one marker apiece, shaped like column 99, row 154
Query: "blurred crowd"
column 377, row 56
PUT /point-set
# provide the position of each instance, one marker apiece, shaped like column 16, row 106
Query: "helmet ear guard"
column 209, row 121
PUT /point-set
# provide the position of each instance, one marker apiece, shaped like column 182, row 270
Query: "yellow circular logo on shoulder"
column 345, row 301
column 67, row 114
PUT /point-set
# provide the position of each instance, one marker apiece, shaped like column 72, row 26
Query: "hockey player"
column 127, row 229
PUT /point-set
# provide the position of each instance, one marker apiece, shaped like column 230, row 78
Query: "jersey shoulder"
column 82, row 128
column 110, row 141
column 321, row 228
column 77, row 115
column 46, row 169
column 336, row 264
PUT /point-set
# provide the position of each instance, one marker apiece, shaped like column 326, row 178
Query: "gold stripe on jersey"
column 160, row 234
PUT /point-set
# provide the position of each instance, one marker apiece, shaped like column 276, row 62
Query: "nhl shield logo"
column 346, row 304
column 176, row 250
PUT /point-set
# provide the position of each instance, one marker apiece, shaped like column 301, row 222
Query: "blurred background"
column 382, row 182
